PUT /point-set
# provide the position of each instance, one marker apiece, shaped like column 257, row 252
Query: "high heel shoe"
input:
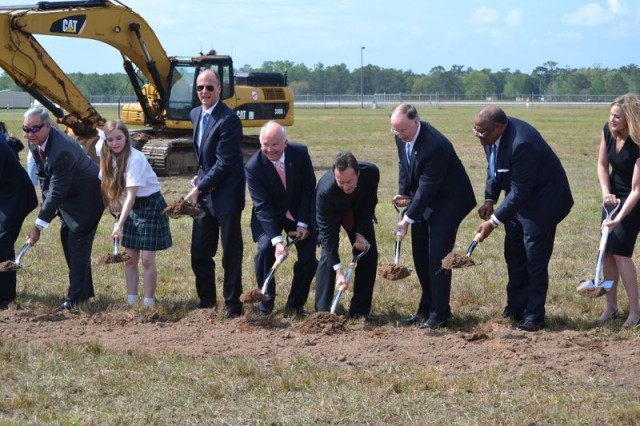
column 607, row 318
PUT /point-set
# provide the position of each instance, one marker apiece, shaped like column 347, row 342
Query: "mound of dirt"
column 393, row 272
column 323, row 322
column 455, row 260
column 181, row 208
column 253, row 296
column 585, row 290
column 110, row 258
column 9, row 265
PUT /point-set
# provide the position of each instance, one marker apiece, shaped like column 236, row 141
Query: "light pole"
column 361, row 76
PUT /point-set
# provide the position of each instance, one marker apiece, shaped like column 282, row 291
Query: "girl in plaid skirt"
column 131, row 189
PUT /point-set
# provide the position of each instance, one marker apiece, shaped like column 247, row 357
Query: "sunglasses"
column 32, row 129
column 201, row 88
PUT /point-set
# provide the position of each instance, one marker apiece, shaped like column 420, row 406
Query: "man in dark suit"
column 71, row 190
column 347, row 196
column 537, row 198
column 17, row 201
column 219, row 190
column 282, row 205
column 435, row 188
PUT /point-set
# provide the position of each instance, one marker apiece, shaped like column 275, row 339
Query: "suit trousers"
column 527, row 259
column 304, row 269
column 362, row 285
column 8, row 279
column 77, row 252
column 429, row 245
column 204, row 245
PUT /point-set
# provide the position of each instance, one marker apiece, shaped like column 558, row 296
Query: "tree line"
column 547, row 80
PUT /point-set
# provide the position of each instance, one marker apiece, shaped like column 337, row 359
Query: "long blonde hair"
column 113, row 167
column 630, row 105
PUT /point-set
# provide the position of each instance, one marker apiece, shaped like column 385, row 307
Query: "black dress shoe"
column 531, row 325
column 296, row 313
column 66, row 305
column 508, row 313
column 433, row 323
column 412, row 320
column 232, row 313
column 206, row 304
column 4, row 304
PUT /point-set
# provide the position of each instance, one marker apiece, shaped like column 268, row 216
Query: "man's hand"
column 341, row 283
column 281, row 250
column 486, row 210
column 401, row 200
column 192, row 196
column 361, row 243
column 302, row 233
column 485, row 229
column 33, row 236
column 401, row 229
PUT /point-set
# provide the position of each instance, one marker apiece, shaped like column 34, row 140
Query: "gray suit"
column 71, row 190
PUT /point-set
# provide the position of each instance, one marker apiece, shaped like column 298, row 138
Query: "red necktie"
column 348, row 221
column 283, row 178
column 42, row 154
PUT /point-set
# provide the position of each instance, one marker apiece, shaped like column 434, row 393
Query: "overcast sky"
column 414, row 35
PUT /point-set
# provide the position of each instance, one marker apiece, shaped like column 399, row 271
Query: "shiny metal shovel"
column 598, row 286
column 15, row 264
column 474, row 244
column 347, row 277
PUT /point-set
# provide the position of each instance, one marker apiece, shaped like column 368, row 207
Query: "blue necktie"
column 409, row 147
column 492, row 161
column 203, row 125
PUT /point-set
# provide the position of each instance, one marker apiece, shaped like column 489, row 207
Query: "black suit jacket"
column 536, row 185
column 332, row 204
column 221, row 176
column 436, row 180
column 17, row 195
column 69, row 182
column 270, row 200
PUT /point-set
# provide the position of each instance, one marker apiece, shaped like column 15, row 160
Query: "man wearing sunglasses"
column 219, row 190
column 71, row 190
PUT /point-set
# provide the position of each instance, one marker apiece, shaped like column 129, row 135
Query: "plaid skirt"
column 147, row 228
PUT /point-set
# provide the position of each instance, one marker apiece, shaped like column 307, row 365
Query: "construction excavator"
column 164, row 85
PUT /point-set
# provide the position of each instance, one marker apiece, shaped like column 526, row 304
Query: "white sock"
column 132, row 299
column 148, row 302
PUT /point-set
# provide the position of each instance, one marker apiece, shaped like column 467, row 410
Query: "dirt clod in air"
column 393, row 272
column 181, row 208
column 455, row 260
column 590, row 292
column 323, row 322
column 253, row 296
column 110, row 258
column 9, row 265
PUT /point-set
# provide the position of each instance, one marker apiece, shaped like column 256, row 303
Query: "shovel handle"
column 22, row 251
column 334, row 305
column 115, row 245
column 271, row 273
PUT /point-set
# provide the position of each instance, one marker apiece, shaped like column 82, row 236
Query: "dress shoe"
column 412, row 320
column 361, row 317
column 296, row 313
column 508, row 313
column 531, row 325
column 206, row 304
column 433, row 323
column 66, row 305
column 230, row 313
column 4, row 303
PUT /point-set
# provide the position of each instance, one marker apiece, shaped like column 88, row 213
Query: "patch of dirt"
column 181, row 208
column 329, row 339
column 110, row 258
column 253, row 296
column 455, row 260
column 9, row 265
column 586, row 290
column 393, row 272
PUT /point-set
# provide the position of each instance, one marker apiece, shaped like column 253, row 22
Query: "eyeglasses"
column 32, row 129
column 478, row 133
column 401, row 131
column 201, row 88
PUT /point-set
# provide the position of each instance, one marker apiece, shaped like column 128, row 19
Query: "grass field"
column 161, row 388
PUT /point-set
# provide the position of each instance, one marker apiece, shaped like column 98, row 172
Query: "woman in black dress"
column 619, row 176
